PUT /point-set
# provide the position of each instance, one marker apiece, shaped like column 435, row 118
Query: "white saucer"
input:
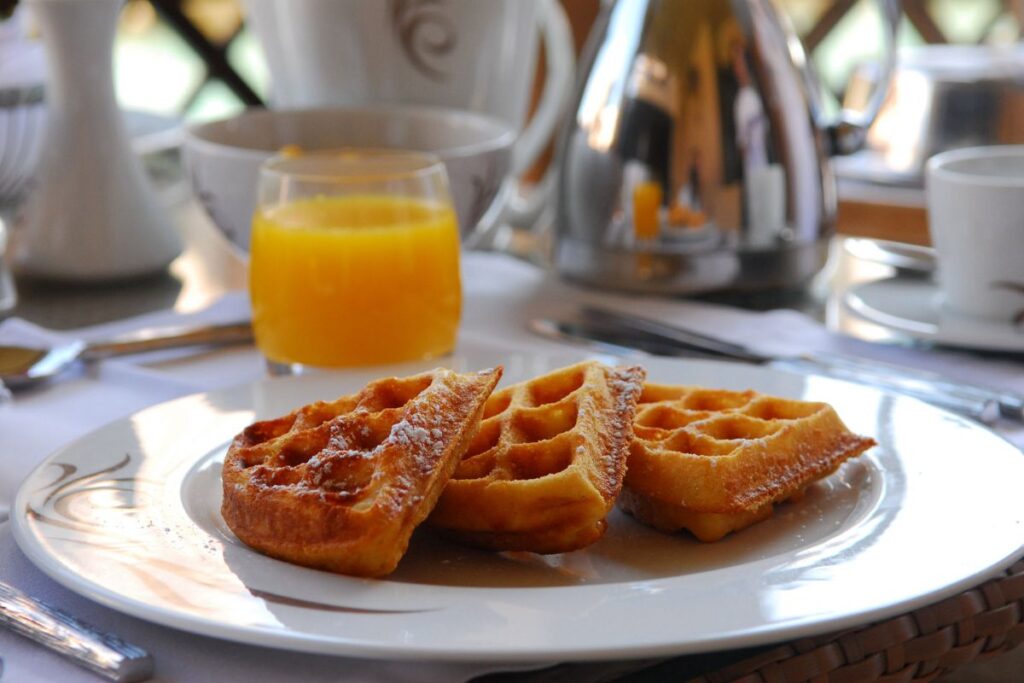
column 911, row 306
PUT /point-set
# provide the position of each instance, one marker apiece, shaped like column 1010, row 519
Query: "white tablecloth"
column 501, row 295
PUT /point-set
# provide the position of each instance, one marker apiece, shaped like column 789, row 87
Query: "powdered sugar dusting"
column 336, row 443
column 625, row 383
column 394, row 471
column 410, row 436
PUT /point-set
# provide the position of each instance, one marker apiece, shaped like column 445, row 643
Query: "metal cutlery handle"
column 100, row 652
column 621, row 342
column 170, row 338
column 979, row 402
column 1008, row 404
column 677, row 335
column 983, row 409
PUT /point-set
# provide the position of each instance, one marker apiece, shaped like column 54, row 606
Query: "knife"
column 901, row 379
column 620, row 342
column 103, row 653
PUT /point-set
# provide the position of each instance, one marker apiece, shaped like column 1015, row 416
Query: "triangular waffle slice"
column 715, row 461
column 547, row 463
column 341, row 485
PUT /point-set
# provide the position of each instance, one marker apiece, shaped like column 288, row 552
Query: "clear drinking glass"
column 354, row 260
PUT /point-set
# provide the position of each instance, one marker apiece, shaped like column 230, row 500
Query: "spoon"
column 22, row 367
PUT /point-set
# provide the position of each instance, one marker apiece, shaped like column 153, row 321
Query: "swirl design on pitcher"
column 426, row 34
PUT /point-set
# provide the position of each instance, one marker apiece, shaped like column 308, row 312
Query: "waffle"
column 714, row 461
column 547, row 464
column 341, row 485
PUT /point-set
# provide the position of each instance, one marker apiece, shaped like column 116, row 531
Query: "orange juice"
column 355, row 280
column 647, row 199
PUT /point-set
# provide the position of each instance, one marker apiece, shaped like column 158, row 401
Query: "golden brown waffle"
column 341, row 485
column 714, row 461
column 547, row 464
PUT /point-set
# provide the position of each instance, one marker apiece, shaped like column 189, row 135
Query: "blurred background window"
column 190, row 58
column 194, row 58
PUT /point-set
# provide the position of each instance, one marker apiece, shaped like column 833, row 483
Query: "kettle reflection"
column 697, row 157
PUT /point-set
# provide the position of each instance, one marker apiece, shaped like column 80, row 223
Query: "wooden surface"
column 890, row 213
column 859, row 218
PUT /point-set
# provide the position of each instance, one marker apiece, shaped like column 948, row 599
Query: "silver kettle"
column 697, row 158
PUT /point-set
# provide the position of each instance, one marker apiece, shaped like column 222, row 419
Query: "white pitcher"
column 92, row 215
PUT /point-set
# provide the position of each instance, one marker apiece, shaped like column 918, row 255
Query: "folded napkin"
column 500, row 296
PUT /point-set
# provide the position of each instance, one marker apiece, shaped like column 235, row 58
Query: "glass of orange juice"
column 354, row 260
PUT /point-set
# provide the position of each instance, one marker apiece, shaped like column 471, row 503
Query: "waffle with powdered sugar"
column 341, row 485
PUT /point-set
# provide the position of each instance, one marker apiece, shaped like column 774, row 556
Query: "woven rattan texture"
column 921, row 645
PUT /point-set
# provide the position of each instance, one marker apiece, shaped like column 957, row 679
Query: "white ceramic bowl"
column 223, row 157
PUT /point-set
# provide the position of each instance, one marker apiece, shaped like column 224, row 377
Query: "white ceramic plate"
column 911, row 307
column 129, row 516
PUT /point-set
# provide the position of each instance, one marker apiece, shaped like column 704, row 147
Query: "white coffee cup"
column 457, row 54
column 976, row 219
